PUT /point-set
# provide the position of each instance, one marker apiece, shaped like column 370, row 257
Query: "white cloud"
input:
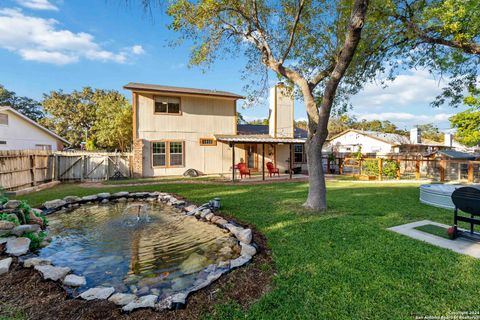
column 37, row 4
column 39, row 39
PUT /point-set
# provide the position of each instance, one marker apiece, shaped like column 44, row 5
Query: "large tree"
column 312, row 45
column 467, row 122
column 25, row 105
column 102, row 118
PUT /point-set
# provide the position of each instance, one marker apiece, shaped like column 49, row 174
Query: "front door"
column 251, row 157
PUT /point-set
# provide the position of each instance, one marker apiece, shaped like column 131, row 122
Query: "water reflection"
column 160, row 256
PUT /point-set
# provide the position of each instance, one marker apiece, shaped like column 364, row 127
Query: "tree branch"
column 292, row 33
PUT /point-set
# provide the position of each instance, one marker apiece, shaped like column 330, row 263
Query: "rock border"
column 131, row 302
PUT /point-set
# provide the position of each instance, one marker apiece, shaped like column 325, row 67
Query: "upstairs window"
column 167, row 105
column 4, row 119
column 208, row 142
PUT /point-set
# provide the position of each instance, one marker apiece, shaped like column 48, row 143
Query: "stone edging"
column 127, row 301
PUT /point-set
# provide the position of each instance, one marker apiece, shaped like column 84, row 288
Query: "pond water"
column 144, row 250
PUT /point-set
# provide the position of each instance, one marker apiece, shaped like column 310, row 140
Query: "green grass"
column 161, row 179
column 435, row 230
column 342, row 264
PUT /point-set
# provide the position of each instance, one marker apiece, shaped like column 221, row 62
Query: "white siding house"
column 18, row 132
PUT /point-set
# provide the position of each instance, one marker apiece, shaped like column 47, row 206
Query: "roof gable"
column 179, row 90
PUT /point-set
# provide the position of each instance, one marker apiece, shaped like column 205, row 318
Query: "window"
column 208, row 142
column 167, row 154
column 159, row 154
column 176, row 154
column 169, row 105
column 4, row 119
column 298, row 153
column 43, row 147
column 3, row 142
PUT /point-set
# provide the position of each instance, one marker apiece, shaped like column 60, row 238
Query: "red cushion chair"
column 244, row 171
column 272, row 169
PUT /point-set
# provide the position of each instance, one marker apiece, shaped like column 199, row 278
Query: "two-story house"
column 176, row 129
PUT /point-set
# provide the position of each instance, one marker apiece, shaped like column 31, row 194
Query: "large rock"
column 20, row 230
column 32, row 262
column 221, row 222
column 72, row 199
column 90, row 198
column 33, row 219
column 142, row 302
column 18, row 246
column 5, row 265
column 240, row 261
column 244, row 235
column 12, row 204
column 97, row 293
column 54, row 204
column 103, row 195
column 73, row 280
column 49, row 272
column 122, row 299
column 205, row 212
column 6, row 225
column 194, row 263
column 120, row 194
column 247, row 250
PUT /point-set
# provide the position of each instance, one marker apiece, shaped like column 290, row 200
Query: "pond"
column 136, row 247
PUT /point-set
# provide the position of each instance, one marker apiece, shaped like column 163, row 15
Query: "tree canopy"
column 26, row 106
column 467, row 122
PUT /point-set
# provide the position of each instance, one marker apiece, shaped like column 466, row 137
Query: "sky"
column 49, row 45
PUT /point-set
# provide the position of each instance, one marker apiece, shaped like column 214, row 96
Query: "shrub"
column 9, row 217
column 370, row 167
column 36, row 239
column 390, row 168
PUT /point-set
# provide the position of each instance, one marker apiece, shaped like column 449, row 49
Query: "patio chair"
column 244, row 171
column 272, row 169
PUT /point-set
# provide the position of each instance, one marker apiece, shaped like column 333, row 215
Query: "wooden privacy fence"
column 435, row 169
column 22, row 169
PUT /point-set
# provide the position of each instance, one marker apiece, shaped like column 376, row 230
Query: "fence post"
column 340, row 166
column 33, row 177
column 470, row 171
column 380, row 169
column 398, row 170
column 417, row 169
column 442, row 170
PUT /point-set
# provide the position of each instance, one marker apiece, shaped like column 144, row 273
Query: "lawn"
column 342, row 264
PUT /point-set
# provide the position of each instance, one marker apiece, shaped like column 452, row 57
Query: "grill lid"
column 467, row 199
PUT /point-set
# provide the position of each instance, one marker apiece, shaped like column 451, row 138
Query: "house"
column 375, row 143
column 18, row 132
column 176, row 129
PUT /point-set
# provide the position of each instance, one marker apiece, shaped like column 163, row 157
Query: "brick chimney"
column 281, row 120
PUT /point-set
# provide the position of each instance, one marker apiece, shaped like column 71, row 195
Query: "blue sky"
column 52, row 44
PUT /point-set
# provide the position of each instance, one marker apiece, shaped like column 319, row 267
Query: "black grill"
column 467, row 200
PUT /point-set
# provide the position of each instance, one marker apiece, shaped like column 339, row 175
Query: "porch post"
column 233, row 162
column 263, row 161
column 290, row 160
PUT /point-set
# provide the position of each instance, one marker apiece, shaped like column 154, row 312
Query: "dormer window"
column 167, row 105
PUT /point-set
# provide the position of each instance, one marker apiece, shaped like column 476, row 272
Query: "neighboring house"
column 176, row 129
column 379, row 144
column 18, row 132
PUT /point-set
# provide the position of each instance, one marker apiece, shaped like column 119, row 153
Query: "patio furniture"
column 244, row 171
column 467, row 200
column 272, row 170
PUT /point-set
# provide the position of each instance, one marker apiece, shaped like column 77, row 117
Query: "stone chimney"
column 415, row 136
column 448, row 140
column 281, row 120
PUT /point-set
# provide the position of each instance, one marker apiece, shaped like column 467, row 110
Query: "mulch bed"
column 23, row 290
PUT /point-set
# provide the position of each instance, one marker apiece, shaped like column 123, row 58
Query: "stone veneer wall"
column 138, row 158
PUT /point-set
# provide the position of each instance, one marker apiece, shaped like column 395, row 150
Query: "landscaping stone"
column 142, row 302
column 72, row 280
column 180, row 297
column 6, row 225
column 33, row 219
column 18, row 246
column 190, row 208
column 13, row 216
column 122, row 299
column 204, row 213
column 194, row 263
column 5, row 265
column 37, row 211
column 50, row 272
column 247, row 250
column 20, row 230
column 71, row 199
column 90, row 198
column 12, row 204
column 97, row 293
column 123, row 199
column 209, row 216
column 240, row 261
column 103, row 195
column 104, row 201
column 32, row 262
column 221, row 222
column 120, row 194
column 244, row 235
column 54, row 204
column 5, row 240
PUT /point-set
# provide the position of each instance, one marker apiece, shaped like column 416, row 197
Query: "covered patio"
column 262, row 141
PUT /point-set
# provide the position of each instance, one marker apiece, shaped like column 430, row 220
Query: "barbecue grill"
column 466, row 200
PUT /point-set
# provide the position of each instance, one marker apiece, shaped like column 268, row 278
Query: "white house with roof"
column 176, row 129
column 18, row 132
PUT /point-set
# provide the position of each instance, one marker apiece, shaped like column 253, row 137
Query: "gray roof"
column 255, row 129
column 257, row 138
column 169, row 89
column 453, row 154
column 393, row 138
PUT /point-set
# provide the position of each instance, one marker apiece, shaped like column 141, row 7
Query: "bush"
column 36, row 239
column 9, row 217
column 370, row 167
column 390, row 168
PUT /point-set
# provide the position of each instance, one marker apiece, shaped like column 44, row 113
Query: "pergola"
column 262, row 139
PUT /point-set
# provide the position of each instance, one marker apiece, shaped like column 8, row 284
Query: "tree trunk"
column 317, row 191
